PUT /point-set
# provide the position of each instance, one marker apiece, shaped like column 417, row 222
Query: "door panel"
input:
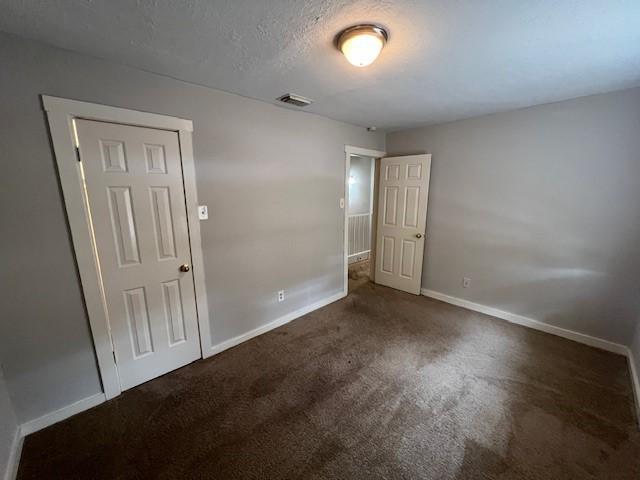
column 412, row 207
column 113, row 159
column 133, row 177
column 390, row 205
column 138, row 320
column 173, row 311
column 163, row 221
column 123, row 225
column 407, row 258
column 387, row 260
column 392, row 172
column 402, row 217
column 155, row 158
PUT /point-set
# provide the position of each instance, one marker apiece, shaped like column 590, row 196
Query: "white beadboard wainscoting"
column 359, row 236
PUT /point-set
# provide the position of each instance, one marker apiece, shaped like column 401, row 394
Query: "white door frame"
column 348, row 151
column 61, row 113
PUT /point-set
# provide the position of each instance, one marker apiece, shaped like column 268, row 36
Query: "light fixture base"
column 361, row 44
column 361, row 28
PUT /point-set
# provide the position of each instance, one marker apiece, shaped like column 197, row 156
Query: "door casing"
column 60, row 114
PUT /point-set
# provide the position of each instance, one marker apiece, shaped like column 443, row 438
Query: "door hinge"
column 78, row 153
column 115, row 359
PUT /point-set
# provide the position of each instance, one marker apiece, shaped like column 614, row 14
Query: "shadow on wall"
column 520, row 266
column 301, row 244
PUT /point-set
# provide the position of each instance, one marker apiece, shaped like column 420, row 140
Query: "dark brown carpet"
column 380, row 385
column 358, row 274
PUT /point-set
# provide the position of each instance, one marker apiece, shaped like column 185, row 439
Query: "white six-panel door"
column 402, row 218
column 134, row 183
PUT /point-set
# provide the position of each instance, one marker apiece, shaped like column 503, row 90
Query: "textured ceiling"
column 446, row 59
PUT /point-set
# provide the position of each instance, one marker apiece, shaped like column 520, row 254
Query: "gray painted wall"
column 272, row 179
column 360, row 191
column 8, row 426
column 540, row 208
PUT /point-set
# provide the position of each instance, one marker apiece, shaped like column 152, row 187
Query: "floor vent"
column 296, row 100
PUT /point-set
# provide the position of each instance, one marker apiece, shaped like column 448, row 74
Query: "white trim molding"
column 14, row 456
column 289, row 317
column 61, row 113
column 529, row 322
column 63, row 413
column 42, row 422
column 195, row 240
column 635, row 381
column 96, row 111
column 552, row 329
column 359, row 256
column 365, row 152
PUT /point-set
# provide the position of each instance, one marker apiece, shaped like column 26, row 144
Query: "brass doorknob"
column 185, row 267
column 418, row 235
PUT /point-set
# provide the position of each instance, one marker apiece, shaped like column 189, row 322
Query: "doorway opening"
column 359, row 219
column 360, row 215
column 385, row 207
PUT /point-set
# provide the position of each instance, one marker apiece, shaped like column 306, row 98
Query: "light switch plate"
column 203, row 212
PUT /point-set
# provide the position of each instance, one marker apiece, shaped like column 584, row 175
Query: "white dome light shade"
column 362, row 44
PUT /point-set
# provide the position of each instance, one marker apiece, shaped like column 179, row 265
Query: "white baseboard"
column 635, row 380
column 358, row 257
column 530, row 322
column 44, row 421
column 32, row 426
column 14, row 456
column 232, row 342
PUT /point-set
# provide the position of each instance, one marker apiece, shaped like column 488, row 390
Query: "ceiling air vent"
column 296, row 100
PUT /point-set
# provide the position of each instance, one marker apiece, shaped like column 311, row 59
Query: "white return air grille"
column 297, row 100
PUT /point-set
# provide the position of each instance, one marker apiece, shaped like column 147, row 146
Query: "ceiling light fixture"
column 362, row 44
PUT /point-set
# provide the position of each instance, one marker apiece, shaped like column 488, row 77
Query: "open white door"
column 402, row 219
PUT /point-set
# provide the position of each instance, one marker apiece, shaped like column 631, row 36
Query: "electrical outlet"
column 466, row 282
column 281, row 296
